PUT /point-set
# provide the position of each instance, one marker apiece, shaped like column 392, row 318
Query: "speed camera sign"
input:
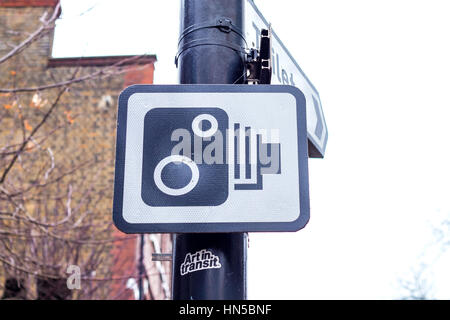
column 211, row 158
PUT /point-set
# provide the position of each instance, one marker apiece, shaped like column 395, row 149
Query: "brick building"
column 80, row 130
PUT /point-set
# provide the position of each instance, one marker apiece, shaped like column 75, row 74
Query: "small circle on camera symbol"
column 196, row 125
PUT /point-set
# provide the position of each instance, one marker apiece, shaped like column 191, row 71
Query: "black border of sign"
column 294, row 225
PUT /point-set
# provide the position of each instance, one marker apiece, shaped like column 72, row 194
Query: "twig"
column 46, row 27
column 25, row 142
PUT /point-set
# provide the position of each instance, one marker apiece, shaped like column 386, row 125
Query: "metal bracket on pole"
column 161, row 257
column 259, row 63
column 223, row 24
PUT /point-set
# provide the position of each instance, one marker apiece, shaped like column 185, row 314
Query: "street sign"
column 211, row 158
column 285, row 70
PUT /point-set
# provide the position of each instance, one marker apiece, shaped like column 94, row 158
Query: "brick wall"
column 28, row 3
column 87, row 117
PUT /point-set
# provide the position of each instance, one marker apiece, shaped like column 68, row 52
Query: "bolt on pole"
column 210, row 51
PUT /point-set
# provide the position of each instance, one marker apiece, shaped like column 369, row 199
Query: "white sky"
column 382, row 70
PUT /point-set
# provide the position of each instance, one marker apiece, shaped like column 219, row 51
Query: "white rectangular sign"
column 211, row 158
column 285, row 70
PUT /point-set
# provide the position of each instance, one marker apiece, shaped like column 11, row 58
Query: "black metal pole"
column 210, row 52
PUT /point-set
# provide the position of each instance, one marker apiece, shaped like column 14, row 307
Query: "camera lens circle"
column 204, row 117
column 180, row 191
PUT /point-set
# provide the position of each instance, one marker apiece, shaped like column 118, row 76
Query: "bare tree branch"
column 33, row 132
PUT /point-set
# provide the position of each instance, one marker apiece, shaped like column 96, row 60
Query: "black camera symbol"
column 184, row 179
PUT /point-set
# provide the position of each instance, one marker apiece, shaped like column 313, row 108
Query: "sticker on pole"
column 211, row 158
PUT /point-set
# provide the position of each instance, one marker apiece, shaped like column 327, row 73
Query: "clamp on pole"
column 259, row 62
column 223, row 24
